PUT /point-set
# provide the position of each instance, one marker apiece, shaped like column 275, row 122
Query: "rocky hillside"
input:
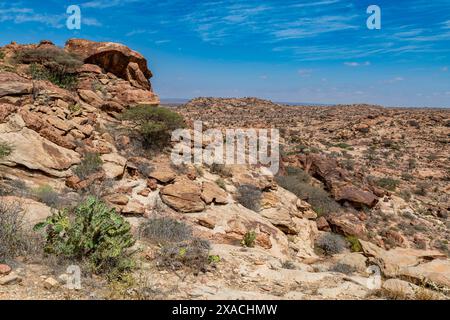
column 209, row 232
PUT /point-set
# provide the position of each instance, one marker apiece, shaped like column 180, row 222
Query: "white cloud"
column 357, row 64
column 444, row 69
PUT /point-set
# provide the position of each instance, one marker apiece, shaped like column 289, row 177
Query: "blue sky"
column 309, row 51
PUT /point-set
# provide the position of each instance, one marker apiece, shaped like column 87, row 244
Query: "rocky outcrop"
column 114, row 58
column 35, row 152
column 337, row 180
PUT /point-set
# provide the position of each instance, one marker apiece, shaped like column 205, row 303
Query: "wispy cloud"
column 102, row 4
column 357, row 64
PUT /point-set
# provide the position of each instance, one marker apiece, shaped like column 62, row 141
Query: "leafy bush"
column 90, row 164
column 249, row 196
column 47, row 195
column 154, row 124
column 192, row 254
column 165, row 230
column 331, row 243
column 249, row 239
column 93, row 232
column 5, row 150
column 2, row 55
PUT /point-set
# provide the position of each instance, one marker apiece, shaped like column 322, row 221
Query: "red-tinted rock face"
column 115, row 58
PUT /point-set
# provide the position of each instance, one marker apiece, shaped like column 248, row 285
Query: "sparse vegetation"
column 47, row 195
column 2, row 55
column 221, row 183
column 355, row 245
column 221, row 170
column 422, row 188
column 250, row 197
column 318, row 198
column 154, row 124
column 388, row 183
column 92, row 233
column 343, row 268
column 5, row 150
column 52, row 64
column 331, row 243
column 249, row 239
column 90, row 164
column 192, row 255
column 15, row 239
column 165, row 230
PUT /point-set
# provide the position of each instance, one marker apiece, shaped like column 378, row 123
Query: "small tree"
column 154, row 124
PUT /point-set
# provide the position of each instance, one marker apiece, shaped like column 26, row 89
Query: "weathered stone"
column 211, row 192
column 12, row 84
column 4, row 269
column 119, row 199
column 183, row 196
column 10, row 279
column 134, row 207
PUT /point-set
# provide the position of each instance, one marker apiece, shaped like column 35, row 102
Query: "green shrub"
column 5, row 150
column 92, row 232
column 47, row 195
column 2, row 55
column 165, row 230
column 249, row 196
column 90, row 164
column 213, row 259
column 52, row 64
column 154, row 124
column 355, row 245
column 249, row 239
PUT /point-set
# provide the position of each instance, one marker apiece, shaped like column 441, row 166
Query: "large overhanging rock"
column 115, row 58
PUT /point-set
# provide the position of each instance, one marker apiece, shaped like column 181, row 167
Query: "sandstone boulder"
column 211, row 192
column 12, row 84
column 35, row 152
column 184, row 196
